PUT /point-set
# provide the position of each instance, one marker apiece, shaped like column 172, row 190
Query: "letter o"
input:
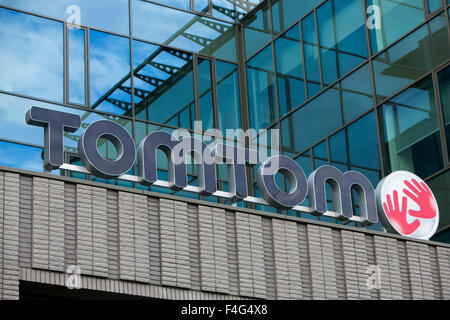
column 119, row 137
column 268, row 186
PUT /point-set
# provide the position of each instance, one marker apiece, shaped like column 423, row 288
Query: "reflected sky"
column 31, row 56
column 14, row 127
column 110, row 15
column 109, row 63
column 185, row 30
column 20, row 156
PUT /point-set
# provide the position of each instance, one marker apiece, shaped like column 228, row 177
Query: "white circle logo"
column 407, row 206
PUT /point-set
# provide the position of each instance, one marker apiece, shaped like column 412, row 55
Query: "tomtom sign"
column 402, row 201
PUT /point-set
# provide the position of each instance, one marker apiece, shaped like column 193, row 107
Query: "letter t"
column 54, row 123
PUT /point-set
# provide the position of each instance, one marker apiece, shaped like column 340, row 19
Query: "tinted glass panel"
column 411, row 58
column 228, row 96
column 257, row 31
column 109, row 15
column 286, row 12
column 205, row 94
column 20, row 156
column 412, row 131
column 164, row 85
column 395, row 19
column 342, row 37
column 261, row 90
column 444, row 89
column 185, row 30
column 76, row 64
column 311, row 54
column 31, row 56
column 109, row 67
column 290, row 77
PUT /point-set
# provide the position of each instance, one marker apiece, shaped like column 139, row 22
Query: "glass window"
column 311, row 54
column 412, row 57
column 440, row 186
column 257, row 31
column 31, row 56
column 205, row 94
column 395, row 19
column 308, row 125
column 342, row 37
column 109, row 64
column 434, row 5
column 444, row 89
column 13, row 126
column 164, row 85
column 109, row 15
column 286, row 12
column 185, row 31
column 355, row 93
column 20, row 156
column 201, row 5
column 363, row 143
column 223, row 9
column 412, row 140
column 228, row 96
column 290, row 77
column 261, row 90
column 76, row 64
column 182, row 4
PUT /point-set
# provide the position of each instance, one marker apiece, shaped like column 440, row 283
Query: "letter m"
column 341, row 186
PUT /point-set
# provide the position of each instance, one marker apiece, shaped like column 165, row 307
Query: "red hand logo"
column 397, row 215
column 422, row 196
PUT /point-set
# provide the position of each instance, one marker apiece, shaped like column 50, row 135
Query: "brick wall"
column 133, row 242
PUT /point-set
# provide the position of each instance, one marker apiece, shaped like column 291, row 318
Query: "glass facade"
column 358, row 84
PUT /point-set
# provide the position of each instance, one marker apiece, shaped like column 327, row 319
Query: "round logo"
column 407, row 206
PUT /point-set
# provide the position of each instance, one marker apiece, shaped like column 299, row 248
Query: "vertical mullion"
column 305, row 81
column 214, row 94
column 441, row 117
column 87, row 68
column 196, row 89
column 66, row 63
column 318, row 48
column 133, row 111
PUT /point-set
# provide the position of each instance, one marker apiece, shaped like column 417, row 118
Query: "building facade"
column 360, row 85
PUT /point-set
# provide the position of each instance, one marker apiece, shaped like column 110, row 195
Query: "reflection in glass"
column 434, row 5
column 286, row 12
column 440, row 186
column 201, row 5
column 355, row 93
column 261, row 90
column 109, row 15
column 397, row 18
column 412, row 131
column 223, row 9
column 310, row 51
column 411, row 58
column 444, row 90
column 205, row 94
column 342, row 37
column 257, row 31
column 342, row 103
column 164, row 85
column 76, row 65
column 228, row 96
column 186, row 31
column 109, row 66
column 31, row 56
column 13, row 125
column 20, row 156
column 290, row 77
